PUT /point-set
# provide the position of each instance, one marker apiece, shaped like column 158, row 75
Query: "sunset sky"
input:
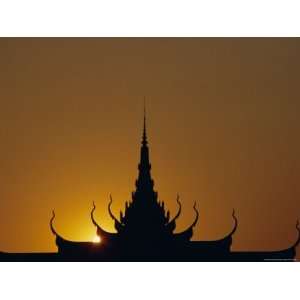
column 223, row 130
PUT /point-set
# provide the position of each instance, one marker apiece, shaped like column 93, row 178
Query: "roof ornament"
column 298, row 229
column 188, row 233
column 117, row 222
column 234, row 226
column 179, row 208
column 197, row 216
column 235, row 223
column 92, row 215
column 144, row 141
column 59, row 239
column 100, row 230
column 51, row 223
column 177, row 215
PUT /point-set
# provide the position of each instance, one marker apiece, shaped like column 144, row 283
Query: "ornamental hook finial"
column 298, row 240
column 235, row 222
column 197, row 215
column 51, row 223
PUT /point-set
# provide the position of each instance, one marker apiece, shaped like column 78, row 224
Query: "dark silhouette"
column 145, row 232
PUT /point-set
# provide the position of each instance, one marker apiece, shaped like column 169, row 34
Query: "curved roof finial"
column 100, row 231
column 197, row 215
column 92, row 215
column 117, row 222
column 51, row 223
column 235, row 223
column 118, row 225
column 298, row 240
column 188, row 233
column 172, row 222
column 179, row 207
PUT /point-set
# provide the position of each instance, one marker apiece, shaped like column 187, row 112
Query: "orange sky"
column 223, row 129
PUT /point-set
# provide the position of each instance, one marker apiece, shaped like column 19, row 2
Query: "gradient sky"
column 223, row 128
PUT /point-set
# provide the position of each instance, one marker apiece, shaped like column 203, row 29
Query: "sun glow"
column 97, row 239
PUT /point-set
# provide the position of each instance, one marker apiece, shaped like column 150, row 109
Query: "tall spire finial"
column 144, row 131
column 144, row 181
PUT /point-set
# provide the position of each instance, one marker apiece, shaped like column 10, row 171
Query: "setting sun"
column 96, row 239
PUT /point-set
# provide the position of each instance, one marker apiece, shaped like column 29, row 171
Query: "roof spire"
column 144, row 180
column 144, row 142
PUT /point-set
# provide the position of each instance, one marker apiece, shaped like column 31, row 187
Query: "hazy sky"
column 223, row 128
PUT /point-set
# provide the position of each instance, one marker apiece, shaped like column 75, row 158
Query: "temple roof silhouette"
column 145, row 231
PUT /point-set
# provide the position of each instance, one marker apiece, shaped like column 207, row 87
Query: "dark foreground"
column 56, row 257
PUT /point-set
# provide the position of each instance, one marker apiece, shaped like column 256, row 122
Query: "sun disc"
column 96, row 239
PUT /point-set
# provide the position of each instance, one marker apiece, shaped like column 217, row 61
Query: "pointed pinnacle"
column 144, row 130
